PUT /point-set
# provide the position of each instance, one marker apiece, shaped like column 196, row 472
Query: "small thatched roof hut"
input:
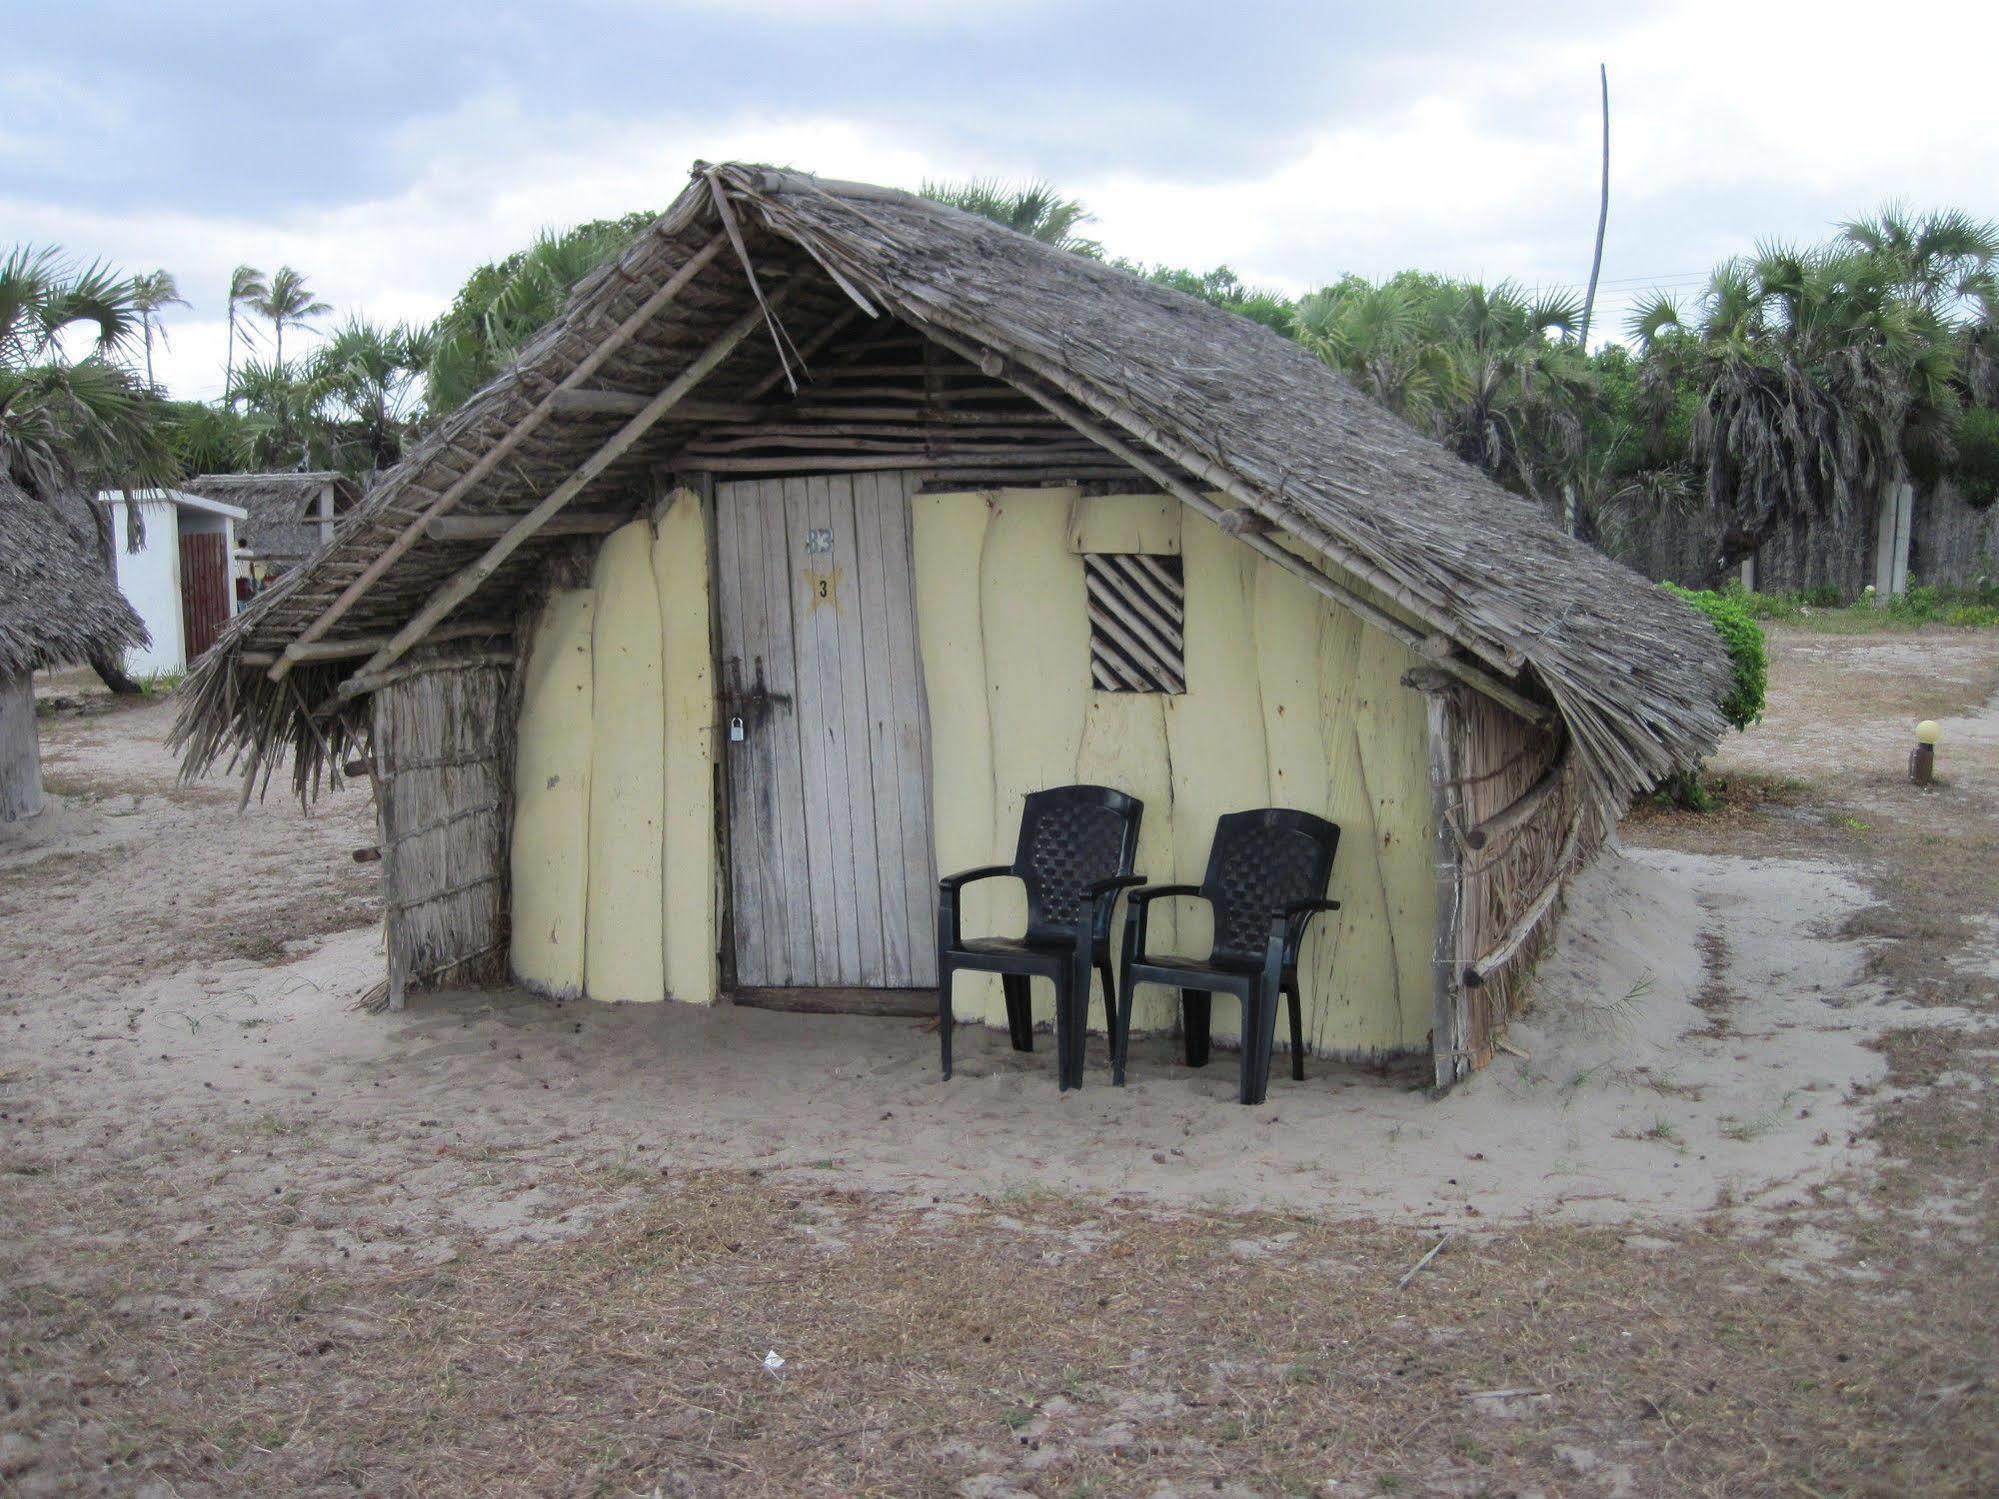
column 960, row 426
column 58, row 606
column 290, row 514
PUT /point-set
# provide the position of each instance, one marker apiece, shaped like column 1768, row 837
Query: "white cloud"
column 1730, row 121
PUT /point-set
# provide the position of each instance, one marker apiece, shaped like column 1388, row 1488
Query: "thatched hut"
column 289, row 516
column 826, row 522
column 58, row 607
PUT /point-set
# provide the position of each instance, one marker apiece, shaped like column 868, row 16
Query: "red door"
column 204, row 588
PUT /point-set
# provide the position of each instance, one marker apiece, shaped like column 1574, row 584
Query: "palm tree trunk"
column 148, row 323
column 229, row 359
column 111, row 672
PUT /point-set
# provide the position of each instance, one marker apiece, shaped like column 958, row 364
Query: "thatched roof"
column 283, row 508
column 1201, row 398
column 58, row 602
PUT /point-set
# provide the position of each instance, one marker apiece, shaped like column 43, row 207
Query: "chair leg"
column 1075, row 1014
column 1297, row 1031
column 1121, row 1029
column 1019, row 1010
column 1110, row 1004
column 1196, row 1009
column 1065, row 1028
column 1252, row 1028
column 944, row 1017
column 1194, row 1014
column 1266, row 1042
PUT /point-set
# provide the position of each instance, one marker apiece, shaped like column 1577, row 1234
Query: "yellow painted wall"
column 1290, row 702
column 551, row 853
column 625, row 946
column 614, row 832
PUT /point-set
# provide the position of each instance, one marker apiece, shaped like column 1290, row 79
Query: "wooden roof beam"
column 581, row 401
column 466, row 581
column 1499, row 691
column 490, row 459
column 486, row 527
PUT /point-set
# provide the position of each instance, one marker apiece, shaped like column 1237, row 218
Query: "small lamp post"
column 1923, row 758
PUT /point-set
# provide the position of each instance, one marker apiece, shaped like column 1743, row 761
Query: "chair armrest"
column 1310, row 907
column 1154, row 892
column 1288, row 923
column 1101, row 888
column 952, row 882
column 1137, row 910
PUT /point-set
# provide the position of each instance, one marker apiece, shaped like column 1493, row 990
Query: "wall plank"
column 624, row 947
column 688, row 860
column 552, row 798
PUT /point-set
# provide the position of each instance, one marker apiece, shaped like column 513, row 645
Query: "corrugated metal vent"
column 1137, row 612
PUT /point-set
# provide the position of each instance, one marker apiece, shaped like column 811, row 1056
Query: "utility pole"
column 1595, row 267
column 1603, row 209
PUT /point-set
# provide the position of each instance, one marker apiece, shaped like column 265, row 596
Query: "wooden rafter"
column 1500, row 692
column 466, row 581
column 490, row 459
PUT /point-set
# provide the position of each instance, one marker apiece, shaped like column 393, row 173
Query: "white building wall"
column 150, row 580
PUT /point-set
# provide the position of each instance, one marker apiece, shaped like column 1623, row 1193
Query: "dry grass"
column 1061, row 1346
column 1071, row 1347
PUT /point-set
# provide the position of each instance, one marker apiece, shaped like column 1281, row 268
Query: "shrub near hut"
column 1750, row 668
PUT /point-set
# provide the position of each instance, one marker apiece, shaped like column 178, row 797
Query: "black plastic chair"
column 1266, row 879
column 1074, row 856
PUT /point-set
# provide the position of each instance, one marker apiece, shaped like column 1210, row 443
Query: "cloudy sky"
column 386, row 148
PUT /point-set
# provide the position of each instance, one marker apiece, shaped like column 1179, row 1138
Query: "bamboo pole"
column 466, row 581
column 490, row 459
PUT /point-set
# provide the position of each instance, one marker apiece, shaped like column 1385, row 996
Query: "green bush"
column 1744, row 638
column 1977, row 466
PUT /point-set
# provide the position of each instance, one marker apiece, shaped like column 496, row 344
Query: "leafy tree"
column 504, row 304
column 1223, row 288
column 70, row 424
column 363, row 387
column 151, row 292
column 279, row 416
column 287, row 302
column 1484, row 370
column 247, row 287
column 1824, row 374
column 1033, row 208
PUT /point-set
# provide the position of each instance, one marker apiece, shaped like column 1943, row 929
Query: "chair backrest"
column 1259, row 862
column 1071, row 837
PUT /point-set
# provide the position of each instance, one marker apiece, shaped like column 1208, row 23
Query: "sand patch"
column 1654, row 1081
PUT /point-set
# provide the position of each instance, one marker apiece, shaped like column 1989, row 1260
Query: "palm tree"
column 502, row 305
column 1810, row 373
column 247, row 287
column 1476, row 368
column 363, row 383
column 1033, row 208
column 287, row 302
column 69, row 425
column 152, row 291
column 281, row 416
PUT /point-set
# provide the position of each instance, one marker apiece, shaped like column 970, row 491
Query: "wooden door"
column 830, row 866
column 205, row 596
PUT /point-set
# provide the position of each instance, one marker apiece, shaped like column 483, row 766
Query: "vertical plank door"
column 205, row 595
column 830, row 868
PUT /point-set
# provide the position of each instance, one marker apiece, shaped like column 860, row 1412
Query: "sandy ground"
column 1715, row 1033
column 1702, row 1033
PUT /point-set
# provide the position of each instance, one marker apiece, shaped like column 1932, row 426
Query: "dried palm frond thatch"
column 283, row 522
column 1208, row 403
column 58, row 603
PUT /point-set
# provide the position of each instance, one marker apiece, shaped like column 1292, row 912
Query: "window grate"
column 1137, row 607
